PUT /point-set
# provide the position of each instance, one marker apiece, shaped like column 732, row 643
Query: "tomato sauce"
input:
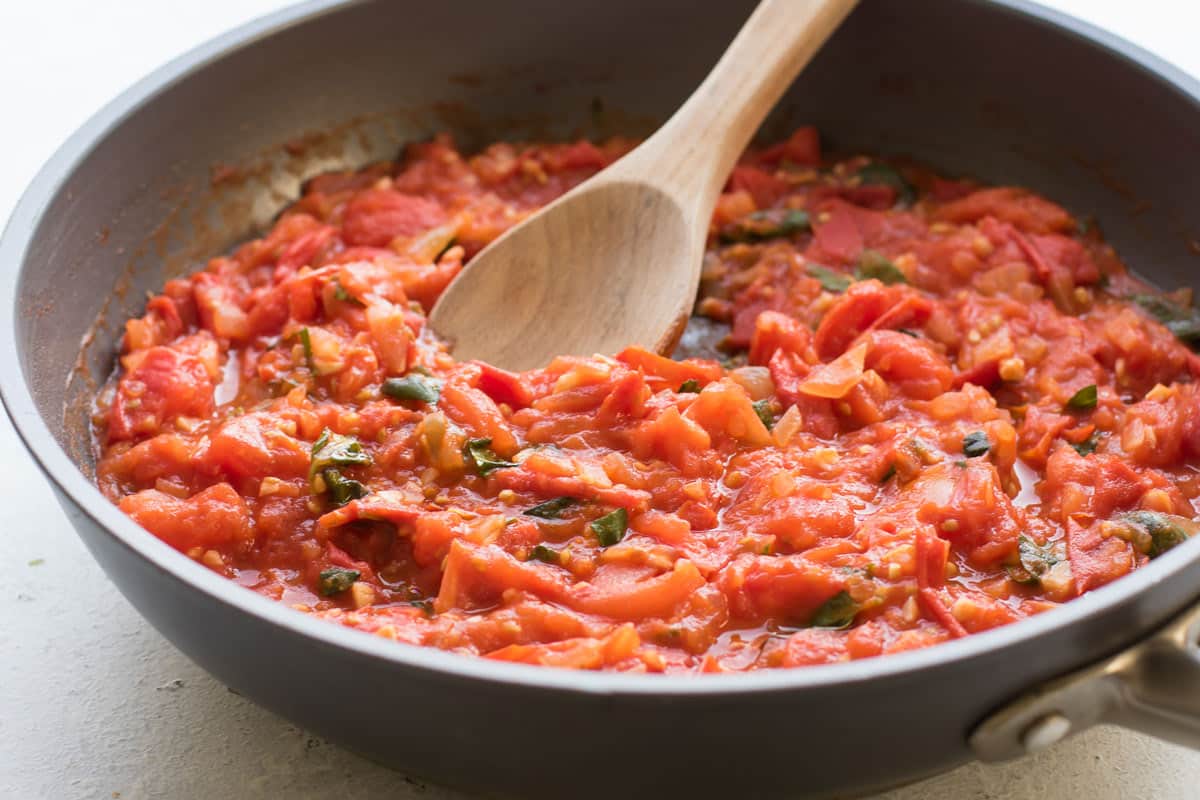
column 933, row 408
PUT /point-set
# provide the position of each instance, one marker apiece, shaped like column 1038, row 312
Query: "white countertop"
column 95, row 704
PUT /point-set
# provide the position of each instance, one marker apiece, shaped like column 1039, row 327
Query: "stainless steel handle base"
column 1153, row 687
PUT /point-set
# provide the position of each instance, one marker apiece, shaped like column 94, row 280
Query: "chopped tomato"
column 918, row 409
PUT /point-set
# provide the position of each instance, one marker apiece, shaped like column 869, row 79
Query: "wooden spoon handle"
column 716, row 123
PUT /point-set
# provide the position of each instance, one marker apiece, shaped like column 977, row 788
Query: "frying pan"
column 208, row 148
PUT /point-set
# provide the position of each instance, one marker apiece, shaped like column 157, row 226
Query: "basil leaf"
column 479, row 452
column 889, row 473
column 836, row 613
column 1085, row 398
column 1183, row 321
column 611, row 528
column 766, row 224
column 453, row 241
column 306, row 344
column 976, row 444
column 332, row 449
column 541, row 552
column 830, row 280
column 340, row 293
column 1165, row 530
column 763, row 409
column 873, row 264
column 424, row 605
column 1034, row 560
column 690, row 386
column 413, row 386
column 551, row 509
column 336, row 580
column 342, row 490
column 1088, row 445
column 885, row 175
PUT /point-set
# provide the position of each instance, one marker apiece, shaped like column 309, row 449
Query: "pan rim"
column 71, row 482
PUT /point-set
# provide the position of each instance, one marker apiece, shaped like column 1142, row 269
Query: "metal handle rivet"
column 1044, row 731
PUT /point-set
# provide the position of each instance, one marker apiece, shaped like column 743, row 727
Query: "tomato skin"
column 865, row 306
column 968, row 507
column 1019, row 207
column 815, row 647
column 838, row 239
column 761, row 185
column 909, row 364
column 215, row 516
column 375, row 217
column 503, row 386
column 667, row 372
column 774, row 332
column 802, row 147
column 166, row 384
column 252, row 446
column 758, row 587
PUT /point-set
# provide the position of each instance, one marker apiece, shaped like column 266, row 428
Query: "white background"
column 94, row 703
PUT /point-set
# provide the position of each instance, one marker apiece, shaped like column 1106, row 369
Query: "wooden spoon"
column 616, row 261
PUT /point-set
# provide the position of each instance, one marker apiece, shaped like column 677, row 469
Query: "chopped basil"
column 413, row 386
column 424, row 605
column 976, row 444
column 306, row 344
column 479, row 452
column 340, row 293
column 766, row 224
column 1033, row 561
column 1181, row 320
column 889, row 473
column 444, row 250
column 763, row 409
column 336, row 580
column 691, row 386
column 332, row 449
column 1088, row 445
column 874, row 264
column 280, row 387
column 885, row 175
column 342, row 490
column 837, row 612
column 541, row 552
column 551, row 509
column 670, row 634
column 1085, row 398
column 611, row 528
column 830, row 280
column 1162, row 531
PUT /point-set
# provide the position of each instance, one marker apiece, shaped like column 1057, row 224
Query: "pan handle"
column 1153, row 687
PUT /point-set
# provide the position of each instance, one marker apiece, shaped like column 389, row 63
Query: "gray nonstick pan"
column 208, row 148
